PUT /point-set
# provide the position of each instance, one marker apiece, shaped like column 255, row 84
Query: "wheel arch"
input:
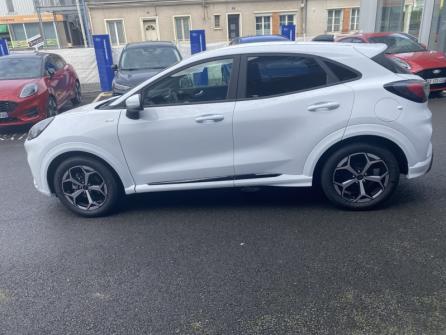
column 60, row 158
column 369, row 139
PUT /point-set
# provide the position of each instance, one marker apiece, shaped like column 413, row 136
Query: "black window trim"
column 332, row 78
column 232, row 87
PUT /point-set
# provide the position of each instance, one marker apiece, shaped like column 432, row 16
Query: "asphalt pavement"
column 276, row 261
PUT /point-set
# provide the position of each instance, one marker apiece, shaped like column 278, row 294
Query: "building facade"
column 139, row 20
column 56, row 20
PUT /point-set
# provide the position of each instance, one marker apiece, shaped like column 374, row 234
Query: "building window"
column 182, row 28
column 287, row 19
column 354, row 19
column 217, row 23
column 334, row 20
column 10, row 6
column 115, row 29
column 263, row 25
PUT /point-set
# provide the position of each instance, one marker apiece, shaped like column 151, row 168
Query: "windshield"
column 20, row 68
column 148, row 57
column 398, row 44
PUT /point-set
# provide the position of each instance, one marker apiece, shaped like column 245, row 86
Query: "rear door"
column 287, row 104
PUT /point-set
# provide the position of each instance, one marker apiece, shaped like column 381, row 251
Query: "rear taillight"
column 413, row 90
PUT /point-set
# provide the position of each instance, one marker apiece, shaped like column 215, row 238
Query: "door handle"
column 208, row 118
column 323, row 106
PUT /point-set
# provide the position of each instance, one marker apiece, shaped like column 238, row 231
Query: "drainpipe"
column 81, row 20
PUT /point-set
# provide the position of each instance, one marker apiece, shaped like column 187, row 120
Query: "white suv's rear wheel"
column 360, row 176
column 86, row 186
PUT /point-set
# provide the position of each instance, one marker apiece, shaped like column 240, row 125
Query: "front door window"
column 206, row 82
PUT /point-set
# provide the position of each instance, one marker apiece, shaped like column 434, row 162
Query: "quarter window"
column 115, row 29
column 334, row 20
column 206, row 82
column 343, row 73
column 182, row 28
column 263, row 25
column 274, row 75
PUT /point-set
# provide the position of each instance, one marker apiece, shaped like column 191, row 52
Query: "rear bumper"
column 421, row 168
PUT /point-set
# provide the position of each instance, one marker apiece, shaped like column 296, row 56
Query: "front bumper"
column 34, row 162
column 25, row 111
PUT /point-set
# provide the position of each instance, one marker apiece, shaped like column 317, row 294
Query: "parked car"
column 35, row 86
column 324, row 38
column 277, row 114
column 141, row 61
column 258, row 39
column 409, row 54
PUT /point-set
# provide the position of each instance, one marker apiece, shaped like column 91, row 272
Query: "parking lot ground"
column 276, row 261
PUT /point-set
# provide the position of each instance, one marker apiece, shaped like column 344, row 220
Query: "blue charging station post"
column 289, row 31
column 4, row 47
column 197, row 41
column 104, row 59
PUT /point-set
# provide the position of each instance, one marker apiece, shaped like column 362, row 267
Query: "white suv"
column 341, row 116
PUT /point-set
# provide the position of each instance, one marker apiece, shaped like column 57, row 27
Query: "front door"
column 291, row 103
column 233, row 26
column 150, row 30
column 184, row 134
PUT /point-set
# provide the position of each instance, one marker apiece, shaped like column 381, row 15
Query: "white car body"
column 280, row 139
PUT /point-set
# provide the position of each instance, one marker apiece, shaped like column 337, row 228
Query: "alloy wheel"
column 361, row 177
column 84, row 188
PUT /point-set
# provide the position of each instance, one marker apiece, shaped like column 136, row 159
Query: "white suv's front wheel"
column 360, row 176
column 86, row 186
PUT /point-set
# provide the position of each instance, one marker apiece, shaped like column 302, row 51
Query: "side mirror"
column 133, row 105
column 51, row 71
column 114, row 67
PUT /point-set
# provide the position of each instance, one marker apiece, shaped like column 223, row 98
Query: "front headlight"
column 403, row 64
column 38, row 128
column 120, row 87
column 29, row 90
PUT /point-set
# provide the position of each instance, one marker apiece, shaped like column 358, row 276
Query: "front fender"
column 118, row 166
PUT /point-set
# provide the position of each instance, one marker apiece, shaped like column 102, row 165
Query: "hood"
column 423, row 60
column 136, row 77
column 10, row 89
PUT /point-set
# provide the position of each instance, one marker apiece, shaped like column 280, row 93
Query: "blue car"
column 258, row 39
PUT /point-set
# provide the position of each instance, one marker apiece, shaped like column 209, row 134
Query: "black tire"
column 77, row 100
column 100, row 201
column 51, row 108
column 436, row 95
column 366, row 189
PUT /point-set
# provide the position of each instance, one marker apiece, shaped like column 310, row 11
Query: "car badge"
column 438, row 71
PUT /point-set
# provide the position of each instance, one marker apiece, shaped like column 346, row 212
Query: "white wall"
column 21, row 7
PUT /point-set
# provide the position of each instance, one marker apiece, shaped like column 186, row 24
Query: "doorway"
column 233, row 26
column 150, row 30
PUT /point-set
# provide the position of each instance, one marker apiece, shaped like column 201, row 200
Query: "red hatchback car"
column 409, row 54
column 34, row 87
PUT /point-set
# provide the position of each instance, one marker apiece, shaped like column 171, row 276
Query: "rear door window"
column 282, row 74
